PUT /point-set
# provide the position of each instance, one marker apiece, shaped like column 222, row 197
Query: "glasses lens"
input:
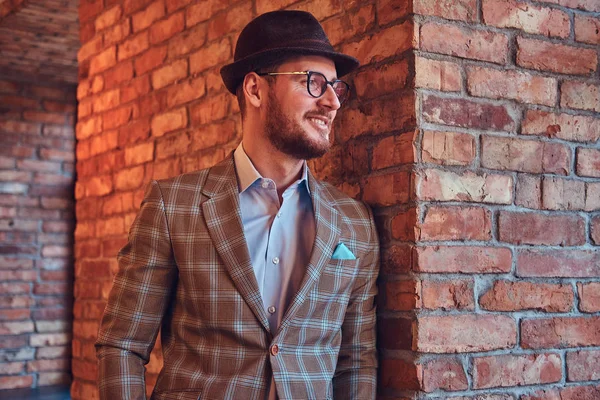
column 317, row 84
column 341, row 90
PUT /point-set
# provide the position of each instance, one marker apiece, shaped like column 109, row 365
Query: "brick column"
column 36, row 232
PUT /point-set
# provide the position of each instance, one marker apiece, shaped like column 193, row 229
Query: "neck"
column 272, row 164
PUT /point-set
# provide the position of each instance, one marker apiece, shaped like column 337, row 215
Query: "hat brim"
column 233, row 74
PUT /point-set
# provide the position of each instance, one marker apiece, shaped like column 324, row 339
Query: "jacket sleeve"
column 137, row 302
column 356, row 371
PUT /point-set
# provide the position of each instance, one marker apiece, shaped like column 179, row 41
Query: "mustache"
column 320, row 113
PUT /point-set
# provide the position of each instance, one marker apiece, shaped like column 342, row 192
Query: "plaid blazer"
column 186, row 269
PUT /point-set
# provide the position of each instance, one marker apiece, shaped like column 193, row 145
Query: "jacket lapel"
column 224, row 222
column 327, row 236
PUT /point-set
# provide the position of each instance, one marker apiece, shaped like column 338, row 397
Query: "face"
column 296, row 123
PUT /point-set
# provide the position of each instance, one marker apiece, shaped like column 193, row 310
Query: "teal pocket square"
column 342, row 253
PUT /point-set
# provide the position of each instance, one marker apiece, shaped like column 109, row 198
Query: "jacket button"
column 274, row 350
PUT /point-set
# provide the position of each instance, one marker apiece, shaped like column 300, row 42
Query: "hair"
column 239, row 92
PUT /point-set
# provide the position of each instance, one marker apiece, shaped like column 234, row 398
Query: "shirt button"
column 274, row 350
column 264, row 184
column 275, row 260
column 278, row 215
column 271, row 310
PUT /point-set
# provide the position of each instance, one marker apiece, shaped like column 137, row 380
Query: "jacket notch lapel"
column 224, row 223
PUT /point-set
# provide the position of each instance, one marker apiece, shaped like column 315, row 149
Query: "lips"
column 320, row 121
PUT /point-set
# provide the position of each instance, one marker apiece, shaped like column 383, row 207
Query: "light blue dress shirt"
column 280, row 236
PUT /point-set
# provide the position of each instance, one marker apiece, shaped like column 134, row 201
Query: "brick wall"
column 36, row 232
column 470, row 132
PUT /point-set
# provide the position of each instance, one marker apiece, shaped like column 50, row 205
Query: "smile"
column 319, row 121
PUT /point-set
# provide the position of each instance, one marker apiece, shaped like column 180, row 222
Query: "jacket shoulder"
column 346, row 205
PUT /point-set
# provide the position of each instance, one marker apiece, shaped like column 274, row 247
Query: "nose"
column 329, row 99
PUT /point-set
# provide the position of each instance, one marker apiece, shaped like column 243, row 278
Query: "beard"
column 289, row 137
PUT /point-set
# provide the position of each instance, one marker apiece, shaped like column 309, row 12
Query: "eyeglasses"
column 316, row 84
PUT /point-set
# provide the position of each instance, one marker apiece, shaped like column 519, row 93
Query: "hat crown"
column 281, row 29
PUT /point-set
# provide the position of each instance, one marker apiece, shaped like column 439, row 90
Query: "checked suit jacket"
column 186, row 270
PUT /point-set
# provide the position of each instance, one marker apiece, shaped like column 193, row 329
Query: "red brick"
column 580, row 392
column 463, row 10
column 505, row 153
column 13, row 342
column 400, row 295
column 377, row 117
column 595, row 230
column 437, row 75
column 139, row 154
column 104, row 142
column 47, row 117
column 455, row 223
column 136, row 131
column 466, row 113
column 526, row 17
column 546, row 56
column 560, row 332
column 123, row 72
column 98, row 186
column 559, row 263
column 440, row 185
column 89, row 127
column 87, row 371
column 562, row 194
column 216, row 53
column 387, row 43
column 187, row 41
column 350, row 24
column 462, row 259
column 588, row 5
column 55, row 288
column 15, row 176
column 541, row 229
column 510, row 84
column 16, row 102
column 145, row 18
column 108, row 18
column 403, row 225
column 234, row 19
column 445, row 374
column 13, row 368
column 518, row 296
column 169, row 74
column 377, row 81
column 129, row 178
column 150, row 59
column 86, row 329
column 589, row 296
column 587, row 29
column 167, row 168
column 106, row 100
column 385, row 190
column 580, row 95
column 53, row 378
column 49, row 339
column 203, row 11
column 186, row 91
column 130, row 6
column 455, row 294
column 583, row 365
column 169, row 121
column 173, row 5
column 392, row 151
column 588, row 162
column 516, row 370
column 20, row 127
column 211, row 109
column 172, row 145
column 398, row 374
column 89, row 9
column 395, row 333
column 465, row 333
column 447, row 148
column 16, row 382
column 465, row 43
column 133, row 46
column 15, row 328
column 48, row 365
column 119, row 116
column 165, row 29
column 16, row 263
column 139, row 86
column 103, row 60
column 117, row 33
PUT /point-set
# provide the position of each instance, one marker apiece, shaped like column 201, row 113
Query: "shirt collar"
column 247, row 173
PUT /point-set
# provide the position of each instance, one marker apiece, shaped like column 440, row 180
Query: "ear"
column 253, row 89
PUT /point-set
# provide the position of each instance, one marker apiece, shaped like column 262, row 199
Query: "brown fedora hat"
column 275, row 35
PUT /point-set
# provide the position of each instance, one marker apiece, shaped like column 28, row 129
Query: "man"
column 261, row 277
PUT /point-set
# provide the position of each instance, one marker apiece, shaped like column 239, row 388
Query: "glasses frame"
column 309, row 74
